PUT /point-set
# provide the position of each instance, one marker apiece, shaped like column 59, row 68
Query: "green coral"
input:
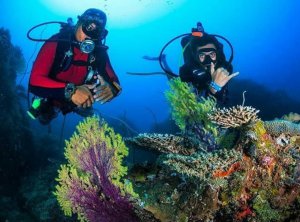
column 264, row 211
column 186, row 109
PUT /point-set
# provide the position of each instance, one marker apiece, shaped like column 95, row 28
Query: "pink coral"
column 267, row 160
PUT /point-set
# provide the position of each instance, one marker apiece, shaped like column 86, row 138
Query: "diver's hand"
column 220, row 76
column 103, row 92
column 83, row 96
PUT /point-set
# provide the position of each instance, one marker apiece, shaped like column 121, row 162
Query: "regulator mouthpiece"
column 87, row 46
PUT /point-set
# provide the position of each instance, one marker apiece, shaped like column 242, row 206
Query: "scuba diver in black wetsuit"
column 205, row 65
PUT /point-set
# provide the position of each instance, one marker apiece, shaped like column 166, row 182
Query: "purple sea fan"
column 110, row 205
column 90, row 185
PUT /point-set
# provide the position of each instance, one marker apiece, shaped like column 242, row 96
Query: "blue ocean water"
column 264, row 34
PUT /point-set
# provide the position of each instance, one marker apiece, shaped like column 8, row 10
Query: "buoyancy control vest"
column 64, row 55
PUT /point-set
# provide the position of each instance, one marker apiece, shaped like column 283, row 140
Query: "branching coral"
column 234, row 117
column 91, row 183
column 203, row 166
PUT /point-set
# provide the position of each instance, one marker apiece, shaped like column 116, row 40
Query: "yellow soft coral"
column 186, row 109
column 67, row 175
column 262, row 138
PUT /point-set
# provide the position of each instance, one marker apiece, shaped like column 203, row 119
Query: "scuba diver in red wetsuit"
column 73, row 70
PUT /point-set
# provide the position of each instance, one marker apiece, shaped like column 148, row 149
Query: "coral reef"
column 226, row 184
column 248, row 170
column 250, row 173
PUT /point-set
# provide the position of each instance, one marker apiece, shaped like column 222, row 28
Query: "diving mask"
column 206, row 56
column 92, row 29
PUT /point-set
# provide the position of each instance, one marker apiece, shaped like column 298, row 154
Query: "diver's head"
column 91, row 25
column 90, row 29
column 206, row 50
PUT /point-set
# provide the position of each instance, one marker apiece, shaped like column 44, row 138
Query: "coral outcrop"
column 251, row 174
column 249, row 171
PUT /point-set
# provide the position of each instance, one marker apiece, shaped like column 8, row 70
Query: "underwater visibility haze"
column 157, row 152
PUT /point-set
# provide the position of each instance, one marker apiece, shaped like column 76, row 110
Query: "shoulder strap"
column 98, row 60
column 64, row 52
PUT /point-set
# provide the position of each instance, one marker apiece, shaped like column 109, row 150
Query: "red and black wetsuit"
column 49, row 75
